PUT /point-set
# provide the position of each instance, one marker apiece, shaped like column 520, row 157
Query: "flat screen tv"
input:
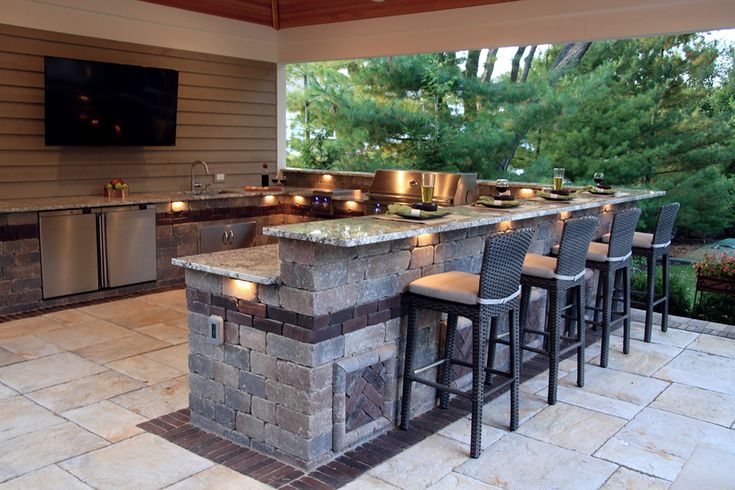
column 89, row 103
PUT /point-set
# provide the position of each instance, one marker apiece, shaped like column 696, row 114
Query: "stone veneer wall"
column 297, row 356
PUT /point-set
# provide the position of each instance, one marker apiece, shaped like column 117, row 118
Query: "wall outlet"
column 216, row 330
column 219, row 177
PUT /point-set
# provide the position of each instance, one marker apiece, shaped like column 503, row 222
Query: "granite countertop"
column 256, row 264
column 351, row 232
column 76, row 202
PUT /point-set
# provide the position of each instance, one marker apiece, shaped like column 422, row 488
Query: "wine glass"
column 599, row 178
column 501, row 185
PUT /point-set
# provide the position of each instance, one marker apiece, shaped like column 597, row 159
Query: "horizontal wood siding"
column 227, row 117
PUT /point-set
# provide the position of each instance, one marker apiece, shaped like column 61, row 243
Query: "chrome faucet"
column 195, row 187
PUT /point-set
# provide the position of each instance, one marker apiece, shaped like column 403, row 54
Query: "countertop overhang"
column 352, row 232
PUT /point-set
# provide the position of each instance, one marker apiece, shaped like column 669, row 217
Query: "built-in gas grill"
column 404, row 186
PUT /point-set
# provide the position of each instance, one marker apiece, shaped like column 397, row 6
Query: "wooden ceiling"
column 281, row 14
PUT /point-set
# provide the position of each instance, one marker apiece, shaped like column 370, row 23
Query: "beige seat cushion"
column 640, row 240
column 459, row 287
column 539, row 266
column 597, row 252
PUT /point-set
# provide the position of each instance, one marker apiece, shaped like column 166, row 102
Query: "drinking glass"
column 428, row 181
column 558, row 179
column 599, row 178
column 501, row 185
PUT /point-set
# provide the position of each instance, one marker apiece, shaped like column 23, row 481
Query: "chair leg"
column 665, row 291
column 525, row 302
column 650, row 294
column 607, row 287
column 626, row 309
column 598, row 303
column 553, row 322
column 515, row 367
column 580, row 335
column 479, row 334
column 448, row 355
column 413, row 314
column 491, row 347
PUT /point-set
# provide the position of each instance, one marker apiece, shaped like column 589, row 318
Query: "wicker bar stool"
column 655, row 247
column 493, row 293
column 559, row 276
column 612, row 261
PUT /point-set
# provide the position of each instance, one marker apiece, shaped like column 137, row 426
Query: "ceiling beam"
column 274, row 14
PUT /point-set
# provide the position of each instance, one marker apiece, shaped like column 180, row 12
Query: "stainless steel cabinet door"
column 130, row 238
column 68, row 253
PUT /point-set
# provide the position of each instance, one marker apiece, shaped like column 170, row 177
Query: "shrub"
column 680, row 301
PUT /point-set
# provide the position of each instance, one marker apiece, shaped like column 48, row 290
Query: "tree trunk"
column 516, row 64
column 492, row 57
column 527, row 64
column 470, row 72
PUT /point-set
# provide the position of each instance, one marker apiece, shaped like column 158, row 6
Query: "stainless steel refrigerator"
column 85, row 250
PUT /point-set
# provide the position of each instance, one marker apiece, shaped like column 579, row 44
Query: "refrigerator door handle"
column 102, row 247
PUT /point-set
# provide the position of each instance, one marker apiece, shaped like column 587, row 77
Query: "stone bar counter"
column 311, row 357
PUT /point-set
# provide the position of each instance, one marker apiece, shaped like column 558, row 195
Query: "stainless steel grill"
column 404, row 186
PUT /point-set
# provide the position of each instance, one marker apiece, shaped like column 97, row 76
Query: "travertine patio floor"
column 74, row 384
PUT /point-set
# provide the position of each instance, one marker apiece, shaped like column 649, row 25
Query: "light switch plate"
column 219, row 177
column 216, row 329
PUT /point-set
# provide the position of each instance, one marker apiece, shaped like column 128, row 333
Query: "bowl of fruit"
column 116, row 188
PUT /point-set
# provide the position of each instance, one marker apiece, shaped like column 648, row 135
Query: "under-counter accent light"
column 178, row 206
column 327, row 178
column 565, row 215
column 504, row 225
column 607, row 208
column 526, row 193
column 269, row 198
column 240, row 289
column 425, row 239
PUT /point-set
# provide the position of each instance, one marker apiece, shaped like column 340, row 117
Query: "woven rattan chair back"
column 502, row 262
column 622, row 232
column 575, row 239
column 665, row 223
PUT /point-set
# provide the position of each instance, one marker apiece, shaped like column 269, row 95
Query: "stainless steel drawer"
column 226, row 237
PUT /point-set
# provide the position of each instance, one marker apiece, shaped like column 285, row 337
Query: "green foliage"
column 655, row 112
column 681, row 287
column 717, row 308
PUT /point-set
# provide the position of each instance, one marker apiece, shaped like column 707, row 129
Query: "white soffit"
column 507, row 24
column 144, row 23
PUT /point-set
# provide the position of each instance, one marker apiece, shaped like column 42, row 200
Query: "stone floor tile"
column 585, row 399
column 157, row 400
column 707, row 468
column 570, row 363
column 458, row 481
column 30, row 347
column 6, row 392
column 709, row 406
column 167, row 333
column 497, row 412
column 644, row 359
column 700, row 369
column 543, row 466
column 145, row 370
column 176, row 357
column 84, row 391
column 460, row 431
column 37, row 449
column 19, row 415
column 49, row 478
column 156, row 463
column 7, row 357
column 74, row 337
column 572, row 427
column 28, row 326
column 673, row 336
column 47, row 371
column 175, row 299
column 107, row 420
column 625, row 479
column 713, row 345
column 369, row 482
column 71, row 316
column 423, row 464
column 116, row 349
column 658, row 443
column 145, row 316
column 221, row 478
column 631, row 388
column 540, row 381
column 114, row 309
